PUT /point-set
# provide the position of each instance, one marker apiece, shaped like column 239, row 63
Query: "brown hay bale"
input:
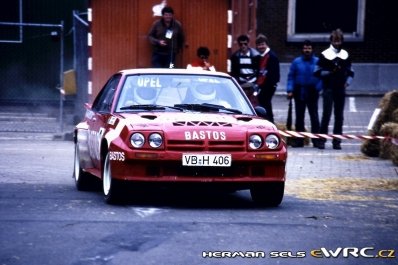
column 386, row 145
column 290, row 140
column 282, row 127
column 371, row 148
column 388, row 104
column 394, row 146
column 394, row 155
column 394, row 116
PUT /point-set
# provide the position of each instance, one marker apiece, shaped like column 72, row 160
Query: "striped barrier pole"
column 337, row 136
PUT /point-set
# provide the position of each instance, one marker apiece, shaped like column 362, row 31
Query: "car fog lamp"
column 255, row 141
column 272, row 141
column 137, row 140
column 155, row 140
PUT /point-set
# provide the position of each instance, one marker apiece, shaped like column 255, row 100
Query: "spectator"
column 303, row 87
column 335, row 69
column 202, row 60
column 244, row 66
column 268, row 75
column 167, row 38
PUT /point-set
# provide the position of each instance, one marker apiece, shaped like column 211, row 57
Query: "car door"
column 101, row 110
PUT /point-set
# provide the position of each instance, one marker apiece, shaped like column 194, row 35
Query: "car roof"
column 172, row 71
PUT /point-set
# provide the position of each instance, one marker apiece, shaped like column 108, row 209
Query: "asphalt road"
column 340, row 207
column 328, row 210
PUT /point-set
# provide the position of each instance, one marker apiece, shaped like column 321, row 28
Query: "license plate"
column 207, row 160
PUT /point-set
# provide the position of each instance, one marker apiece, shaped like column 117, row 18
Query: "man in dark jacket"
column 268, row 75
column 244, row 62
column 167, row 38
column 244, row 67
column 335, row 69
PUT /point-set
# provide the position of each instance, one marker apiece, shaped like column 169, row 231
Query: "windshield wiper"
column 206, row 106
column 150, row 107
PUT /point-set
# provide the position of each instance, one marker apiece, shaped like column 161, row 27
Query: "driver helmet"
column 144, row 95
column 204, row 92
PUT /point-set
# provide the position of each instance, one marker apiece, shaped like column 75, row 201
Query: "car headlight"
column 137, row 140
column 155, row 140
column 255, row 141
column 272, row 141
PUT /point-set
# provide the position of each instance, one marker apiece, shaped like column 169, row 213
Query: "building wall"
column 379, row 46
column 30, row 70
column 119, row 34
column 124, row 28
column 375, row 60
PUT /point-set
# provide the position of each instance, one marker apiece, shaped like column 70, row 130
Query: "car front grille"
column 202, row 123
column 207, row 144
column 199, row 145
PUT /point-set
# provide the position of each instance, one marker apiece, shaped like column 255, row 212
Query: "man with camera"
column 335, row 69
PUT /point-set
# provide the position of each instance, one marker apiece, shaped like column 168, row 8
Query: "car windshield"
column 182, row 92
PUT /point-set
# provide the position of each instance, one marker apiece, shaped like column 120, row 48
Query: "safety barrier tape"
column 336, row 136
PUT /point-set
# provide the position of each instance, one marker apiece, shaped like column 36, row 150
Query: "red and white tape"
column 336, row 136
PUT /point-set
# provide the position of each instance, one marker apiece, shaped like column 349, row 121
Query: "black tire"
column 112, row 190
column 269, row 194
column 84, row 181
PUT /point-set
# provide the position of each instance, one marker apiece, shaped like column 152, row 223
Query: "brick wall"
column 379, row 46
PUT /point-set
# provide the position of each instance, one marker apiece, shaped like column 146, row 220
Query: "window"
column 103, row 102
column 314, row 19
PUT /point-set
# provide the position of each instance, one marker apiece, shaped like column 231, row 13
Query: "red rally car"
column 178, row 126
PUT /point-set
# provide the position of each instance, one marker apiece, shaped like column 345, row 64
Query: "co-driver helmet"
column 144, row 95
column 204, row 92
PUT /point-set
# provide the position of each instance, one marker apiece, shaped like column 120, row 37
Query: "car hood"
column 175, row 121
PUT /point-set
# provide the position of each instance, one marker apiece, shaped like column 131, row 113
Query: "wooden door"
column 204, row 23
column 119, row 32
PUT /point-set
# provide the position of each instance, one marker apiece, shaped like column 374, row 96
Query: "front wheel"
column 268, row 194
column 83, row 180
column 111, row 187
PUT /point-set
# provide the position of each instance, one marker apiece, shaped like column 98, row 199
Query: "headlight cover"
column 137, row 140
column 155, row 140
column 255, row 141
column 272, row 141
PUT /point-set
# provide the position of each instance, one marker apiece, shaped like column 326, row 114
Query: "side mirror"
column 261, row 112
column 87, row 105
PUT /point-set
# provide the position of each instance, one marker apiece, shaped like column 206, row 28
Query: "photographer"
column 335, row 70
column 167, row 38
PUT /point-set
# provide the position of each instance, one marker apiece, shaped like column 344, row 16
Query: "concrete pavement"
column 345, row 174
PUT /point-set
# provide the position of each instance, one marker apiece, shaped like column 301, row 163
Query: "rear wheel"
column 110, row 186
column 83, row 180
column 268, row 194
